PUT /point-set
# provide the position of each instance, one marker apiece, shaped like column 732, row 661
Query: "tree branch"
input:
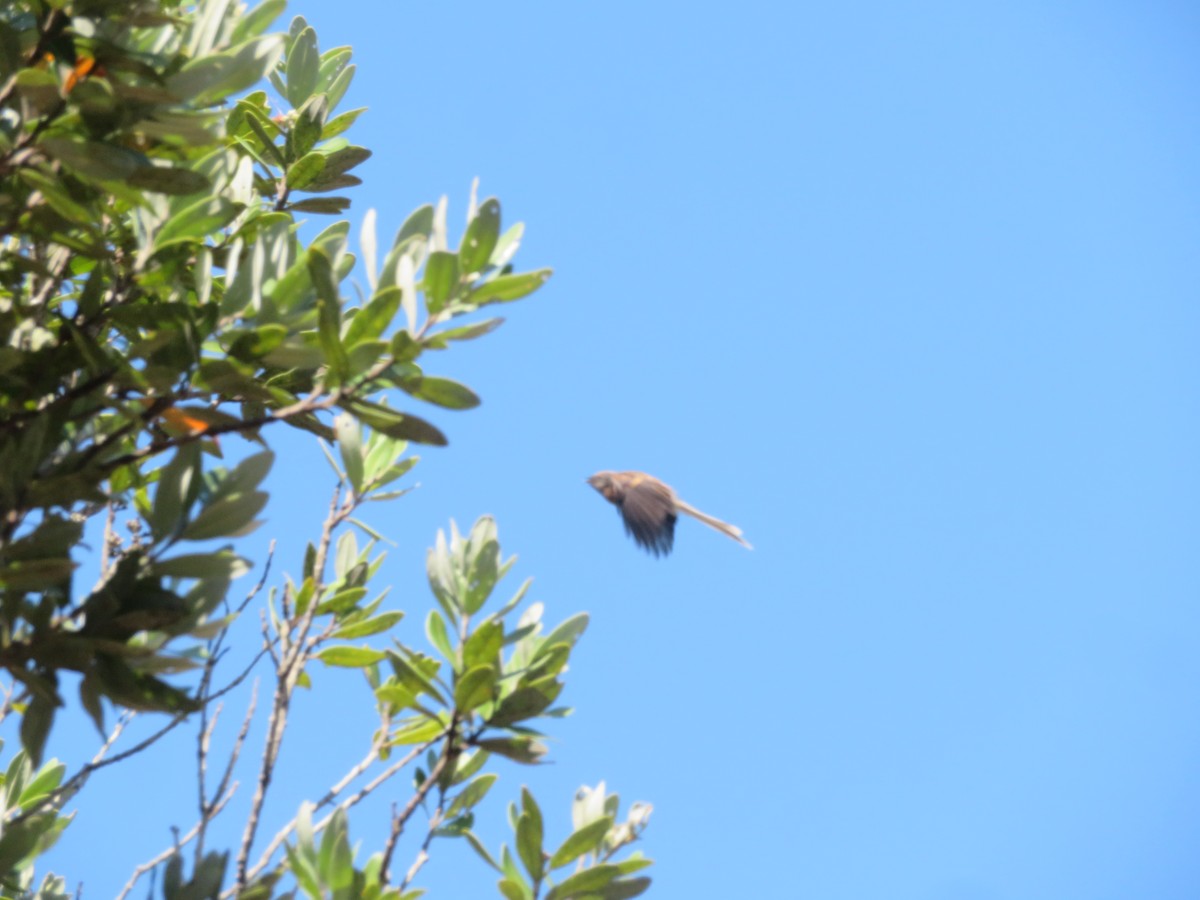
column 398, row 822
column 294, row 654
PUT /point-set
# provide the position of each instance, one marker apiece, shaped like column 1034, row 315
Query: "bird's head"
column 606, row 484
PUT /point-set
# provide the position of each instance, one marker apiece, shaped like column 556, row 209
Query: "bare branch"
column 294, row 653
column 110, row 541
column 435, row 822
column 398, row 822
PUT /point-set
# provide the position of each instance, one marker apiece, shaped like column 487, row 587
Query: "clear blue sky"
column 909, row 292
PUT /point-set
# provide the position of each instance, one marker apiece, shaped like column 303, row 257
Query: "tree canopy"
column 159, row 300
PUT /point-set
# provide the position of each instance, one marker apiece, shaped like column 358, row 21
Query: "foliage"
column 158, row 293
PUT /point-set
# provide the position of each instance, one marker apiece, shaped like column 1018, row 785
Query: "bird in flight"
column 649, row 509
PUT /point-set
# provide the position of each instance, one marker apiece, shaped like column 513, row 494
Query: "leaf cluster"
column 161, row 298
column 156, row 293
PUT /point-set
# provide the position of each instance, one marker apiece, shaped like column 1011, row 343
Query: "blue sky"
column 908, row 292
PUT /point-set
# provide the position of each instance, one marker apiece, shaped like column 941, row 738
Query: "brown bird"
column 649, row 509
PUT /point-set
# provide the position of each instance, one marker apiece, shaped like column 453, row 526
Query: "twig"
column 435, row 822
column 110, row 541
column 236, row 752
column 293, row 655
column 398, row 822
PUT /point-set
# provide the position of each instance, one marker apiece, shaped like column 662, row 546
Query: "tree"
column 160, row 307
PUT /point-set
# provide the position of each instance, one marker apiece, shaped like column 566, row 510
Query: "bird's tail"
column 724, row 527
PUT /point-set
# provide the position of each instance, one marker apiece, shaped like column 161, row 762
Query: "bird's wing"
column 649, row 514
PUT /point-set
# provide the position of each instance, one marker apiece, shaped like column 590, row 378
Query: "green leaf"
column 480, row 237
column 337, row 164
column 435, row 630
column 590, row 880
column 89, row 696
column 35, row 727
column 46, row 781
column 525, row 703
column 94, row 159
column 368, row 627
column 506, row 247
column 310, row 119
column 350, row 657
column 35, row 574
column 329, row 310
column 349, row 440
column 249, row 473
column 324, row 183
column 468, row 765
column 483, row 646
column 197, row 221
column 230, row 516
column 441, row 279
column 519, row 749
column 625, row 888
column 169, row 180
column 476, row 687
column 585, row 840
column 22, row 839
column 209, row 79
column 444, row 392
column 178, row 486
column 331, row 206
column 302, row 67
column 341, row 602
column 478, row 847
column 372, row 319
column 39, row 88
column 417, row 731
column 259, row 127
column 54, row 192
column 511, row 890
column 332, row 63
column 208, row 875
column 395, row 424
column 222, row 564
column 472, row 794
column 416, row 672
column 635, row 863
column 464, row 332
column 340, row 123
column 337, row 89
column 508, row 287
column 140, row 691
column 529, row 845
column 255, row 22
column 19, row 771
column 567, row 633
column 395, row 695
column 335, row 860
column 418, row 223
column 305, row 170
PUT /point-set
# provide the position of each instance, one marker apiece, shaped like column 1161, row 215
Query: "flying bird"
column 649, row 509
